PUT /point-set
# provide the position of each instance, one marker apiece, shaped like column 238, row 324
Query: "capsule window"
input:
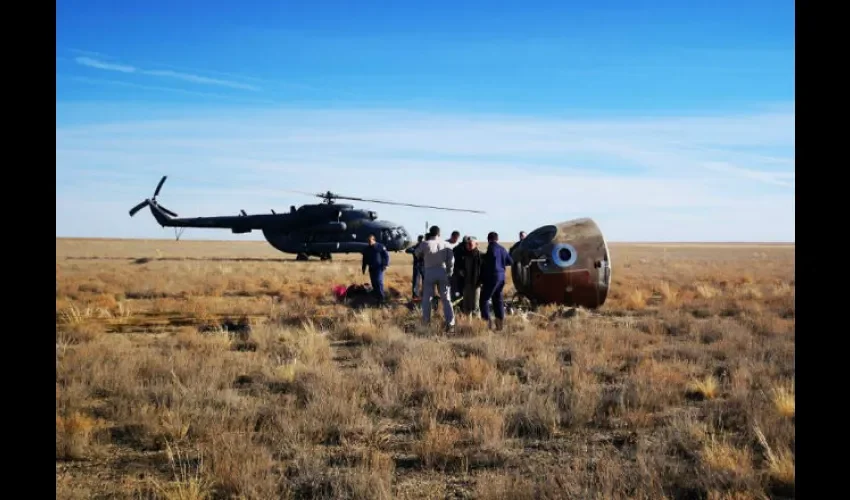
column 564, row 255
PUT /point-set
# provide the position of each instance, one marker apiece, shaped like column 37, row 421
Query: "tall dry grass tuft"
column 486, row 426
column 784, row 399
column 437, row 447
column 74, row 436
column 189, row 478
column 706, row 291
column 705, row 388
column 537, row 418
column 669, row 293
column 241, row 467
column 635, row 299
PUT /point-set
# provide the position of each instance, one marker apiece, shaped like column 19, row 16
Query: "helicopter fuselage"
column 317, row 229
column 346, row 232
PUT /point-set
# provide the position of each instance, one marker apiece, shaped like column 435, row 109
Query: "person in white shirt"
column 438, row 264
column 454, row 240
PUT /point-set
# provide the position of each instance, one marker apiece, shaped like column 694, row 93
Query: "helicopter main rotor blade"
column 303, row 192
column 333, row 196
column 410, row 204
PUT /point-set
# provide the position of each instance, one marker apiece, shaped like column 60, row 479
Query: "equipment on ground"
column 567, row 263
column 319, row 230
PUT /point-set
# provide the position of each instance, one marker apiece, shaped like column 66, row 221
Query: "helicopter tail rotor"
column 139, row 207
column 152, row 201
column 159, row 186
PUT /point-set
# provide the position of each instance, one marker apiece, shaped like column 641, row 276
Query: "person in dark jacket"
column 521, row 237
column 493, row 266
column 418, row 266
column 470, row 274
column 459, row 252
column 376, row 258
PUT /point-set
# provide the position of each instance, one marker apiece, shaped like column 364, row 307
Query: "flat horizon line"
column 763, row 243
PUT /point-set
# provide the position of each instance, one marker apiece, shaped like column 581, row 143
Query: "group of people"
column 456, row 268
column 460, row 272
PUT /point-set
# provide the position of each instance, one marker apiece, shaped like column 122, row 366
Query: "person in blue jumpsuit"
column 418, row 267
column 493, row 266
column 376, row 258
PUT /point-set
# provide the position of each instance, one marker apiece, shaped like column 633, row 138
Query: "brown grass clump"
column 537, row 418
column 706, row 291
column 486, row 426
column 783, row 399
column 73, row 436
column 705, row 388
column 188, row 481
column 80, row 332
column 635, row 299
column 242, row 468
column 721, row 458
column 669, row 293
column 437, row 447
column 473, row 372
column 780, row 466
column 201, row 370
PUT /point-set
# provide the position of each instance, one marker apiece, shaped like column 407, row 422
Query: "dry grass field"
column 189, row 370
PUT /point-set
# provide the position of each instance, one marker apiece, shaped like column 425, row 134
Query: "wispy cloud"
column 189, row 77
column 638, row 178
column 185, row 69
column 89, row 53
column 200, row 79
column 98, row 81
column 94, row 63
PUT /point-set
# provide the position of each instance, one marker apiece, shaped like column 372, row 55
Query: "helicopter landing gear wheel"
column 302, row 256
column 325, row 256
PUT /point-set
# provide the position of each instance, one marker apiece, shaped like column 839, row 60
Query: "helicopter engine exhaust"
column 567, row 263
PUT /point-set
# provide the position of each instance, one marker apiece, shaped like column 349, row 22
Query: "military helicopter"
column 318, row 230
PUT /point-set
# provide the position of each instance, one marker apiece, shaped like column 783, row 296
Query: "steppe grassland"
column 225, row 369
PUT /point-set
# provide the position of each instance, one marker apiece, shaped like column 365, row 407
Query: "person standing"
column 376, row 258
column 521, row 237
column 453, row 241
column 493, row 266
column 459, row 252
column 438, row 263
column 417, row 267
column 470, row 273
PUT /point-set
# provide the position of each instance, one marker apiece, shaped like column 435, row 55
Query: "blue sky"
column 663, row 121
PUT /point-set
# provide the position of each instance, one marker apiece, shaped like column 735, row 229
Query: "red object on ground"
column 340, row 292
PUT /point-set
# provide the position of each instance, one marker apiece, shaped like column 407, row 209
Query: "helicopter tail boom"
column 242, row 223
